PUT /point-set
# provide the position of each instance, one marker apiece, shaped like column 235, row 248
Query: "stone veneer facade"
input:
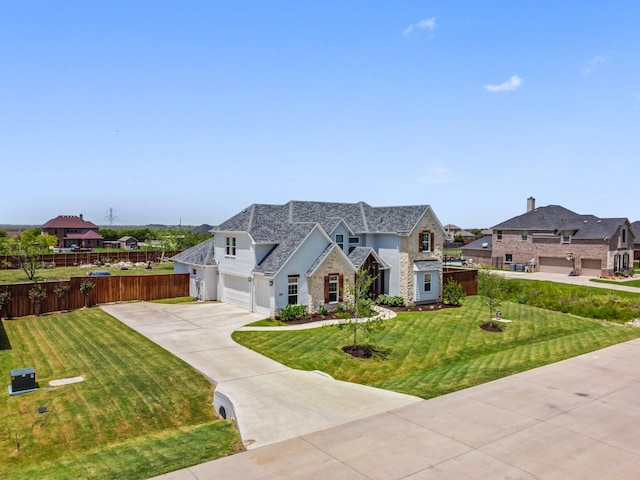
column 410, row 252
column 333, row 264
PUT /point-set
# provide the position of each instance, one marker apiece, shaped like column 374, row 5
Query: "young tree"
column 37, row 294
column 28, row 247
column 361, row 304
column 86, row 288
column 61, row 291
column 491, row 288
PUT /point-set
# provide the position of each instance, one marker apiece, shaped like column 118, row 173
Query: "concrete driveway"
column 576, row 419
column 272, row 402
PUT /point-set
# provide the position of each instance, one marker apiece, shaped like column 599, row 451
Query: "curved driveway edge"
column 272, row 402
column 576, row 419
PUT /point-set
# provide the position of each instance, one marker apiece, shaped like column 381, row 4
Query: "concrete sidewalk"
column 575, row 419
column 272, row 402
column 582, row 280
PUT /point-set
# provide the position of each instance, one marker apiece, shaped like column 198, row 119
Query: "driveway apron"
column 272, row 402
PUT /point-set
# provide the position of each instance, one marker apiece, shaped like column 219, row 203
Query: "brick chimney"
column 531, row 204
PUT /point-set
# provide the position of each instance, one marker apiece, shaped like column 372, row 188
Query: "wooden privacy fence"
column 466, row 277
column 85, row 258
column 107, row 289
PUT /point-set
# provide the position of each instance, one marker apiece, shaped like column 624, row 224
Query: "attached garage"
column 555, row 265
column 591, row 267
column 236, row 291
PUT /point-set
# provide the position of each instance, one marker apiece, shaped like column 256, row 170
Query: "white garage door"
column 591, row 267
column 237, row 291
column 555, row 265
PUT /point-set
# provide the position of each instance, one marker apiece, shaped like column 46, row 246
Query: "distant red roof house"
column 73, row 230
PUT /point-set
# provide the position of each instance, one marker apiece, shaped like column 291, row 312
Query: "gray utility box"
column 23, row 379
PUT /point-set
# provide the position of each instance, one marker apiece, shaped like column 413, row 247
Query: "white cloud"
column 512, row 84
column 593, row 63
column 428, row 23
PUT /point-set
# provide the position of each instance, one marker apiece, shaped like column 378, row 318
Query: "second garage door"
column 591, row 267
column 555, row 265
column 237, row 291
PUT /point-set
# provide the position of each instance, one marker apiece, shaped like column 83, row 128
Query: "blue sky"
column 188, row 112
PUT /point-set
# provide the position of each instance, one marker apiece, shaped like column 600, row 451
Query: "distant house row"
column 557, row 240
column 73, row 231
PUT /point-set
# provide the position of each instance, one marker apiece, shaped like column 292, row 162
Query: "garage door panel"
column 591, row 267
column 237, row 291
column 554, row 265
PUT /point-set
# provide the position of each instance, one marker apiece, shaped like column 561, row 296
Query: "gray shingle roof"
column 201, row 254
column 266, row 223
column 556, row 219
column 290, row 241
column 359, row 255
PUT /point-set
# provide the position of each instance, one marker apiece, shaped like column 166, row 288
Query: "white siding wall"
column 434, row 294
column 386, row 246
column 341, row 230
column 263, row 296
column 299, row 264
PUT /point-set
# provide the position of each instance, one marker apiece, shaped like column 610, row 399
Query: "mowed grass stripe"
column 430, row 353
column 132, row 389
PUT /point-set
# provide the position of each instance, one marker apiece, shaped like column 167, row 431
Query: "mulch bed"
column 333, row 316
column 358, row 352
column 491, row 328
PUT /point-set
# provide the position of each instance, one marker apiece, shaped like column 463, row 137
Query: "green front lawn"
column 432, row 353
column 627, row 283
column 139, row 412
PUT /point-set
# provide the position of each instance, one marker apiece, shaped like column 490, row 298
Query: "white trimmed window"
column 334, row 283
column 427, row 282
column 231, row 246
column 292, row 289
column 340, row 241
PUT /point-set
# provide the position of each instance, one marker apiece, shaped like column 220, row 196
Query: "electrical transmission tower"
column 111, row 216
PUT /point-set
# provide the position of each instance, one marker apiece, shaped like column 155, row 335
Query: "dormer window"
column 566, row 237
column 231, row 246
column 340, row 241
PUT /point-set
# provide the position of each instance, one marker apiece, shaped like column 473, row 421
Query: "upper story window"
column 499, row 235
column 340, row 241
column 624, row 235
column 566, row 236
column 354, row 240
column 525, row 235
column 426, row 241
column 231, row 246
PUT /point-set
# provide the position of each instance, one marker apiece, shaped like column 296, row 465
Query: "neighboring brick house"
column 555, row 239
column 478, row 252
column 73, row 230
column 453, row 231
column 307, row 253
